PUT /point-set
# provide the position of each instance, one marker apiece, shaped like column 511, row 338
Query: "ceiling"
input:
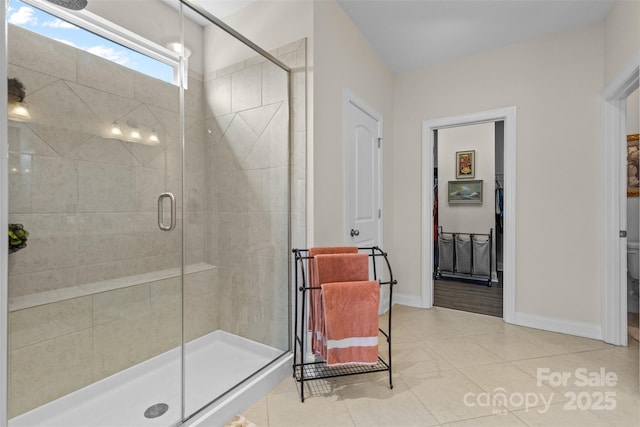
column 222, row 8
column 218, row 8
column 409, row 34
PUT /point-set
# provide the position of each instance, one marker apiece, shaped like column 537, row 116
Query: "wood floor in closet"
column 472, row 297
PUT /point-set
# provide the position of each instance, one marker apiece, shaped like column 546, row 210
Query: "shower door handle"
column 172, row 222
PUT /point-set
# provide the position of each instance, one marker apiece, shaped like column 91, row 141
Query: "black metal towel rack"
column 308, row 371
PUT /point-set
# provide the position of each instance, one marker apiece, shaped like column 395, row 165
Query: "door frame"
column 614, row 203
column 4, row 220
column 351, row 100
column 508, row 115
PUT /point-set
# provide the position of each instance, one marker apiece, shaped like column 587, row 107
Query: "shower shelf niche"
column 57, row 295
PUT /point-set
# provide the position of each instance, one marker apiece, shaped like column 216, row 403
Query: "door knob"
column 355, row 232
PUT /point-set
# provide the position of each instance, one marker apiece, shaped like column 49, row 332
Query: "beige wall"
column 555, row 83
column 622, row 37
column 344, row 60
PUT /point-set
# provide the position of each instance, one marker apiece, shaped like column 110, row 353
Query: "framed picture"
column 465, row 164
column 633, row 177
column 469, row 192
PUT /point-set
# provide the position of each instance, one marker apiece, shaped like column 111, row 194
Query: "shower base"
column 215, row 363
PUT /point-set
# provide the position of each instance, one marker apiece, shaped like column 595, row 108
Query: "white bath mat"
column 240, row 421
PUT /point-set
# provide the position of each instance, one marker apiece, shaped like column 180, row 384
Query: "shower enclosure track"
column 308, row 371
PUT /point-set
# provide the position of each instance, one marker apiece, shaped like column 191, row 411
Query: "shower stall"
column 148, row 180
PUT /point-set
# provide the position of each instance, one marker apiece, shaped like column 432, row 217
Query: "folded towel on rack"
column 351, row 322
column 316, row 322
column 341, row 268
column 335, row 268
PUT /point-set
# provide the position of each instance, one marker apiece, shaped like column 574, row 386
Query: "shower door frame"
column 4, row 223
column 201, row 412
column 235, row 34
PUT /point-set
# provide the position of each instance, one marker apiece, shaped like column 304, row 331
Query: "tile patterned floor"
column 453, row 368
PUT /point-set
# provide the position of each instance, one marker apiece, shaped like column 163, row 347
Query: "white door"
column 363, row 210
column 363, row 201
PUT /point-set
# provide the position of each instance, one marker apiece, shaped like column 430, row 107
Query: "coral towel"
column 315, row 313
column 329, row 268
column 341, row 268
column 351, row 322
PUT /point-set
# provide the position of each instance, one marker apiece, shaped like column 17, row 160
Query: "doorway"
column 468, row 230
column 614, row 202
column 508, row 116
column 633, row 214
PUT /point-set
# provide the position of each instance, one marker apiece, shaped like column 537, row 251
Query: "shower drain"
column 157, row 410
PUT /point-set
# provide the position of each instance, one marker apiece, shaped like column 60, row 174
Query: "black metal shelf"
column 308, row 371
column 319, row 370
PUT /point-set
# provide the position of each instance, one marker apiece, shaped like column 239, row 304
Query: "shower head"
column 70, row 4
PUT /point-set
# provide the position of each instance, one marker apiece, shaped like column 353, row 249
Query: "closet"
column 468, row 214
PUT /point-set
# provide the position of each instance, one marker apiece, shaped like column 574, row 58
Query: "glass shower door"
column 95, row 178
column 237, row 181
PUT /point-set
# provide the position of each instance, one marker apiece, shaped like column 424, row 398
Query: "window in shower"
column 162, row 66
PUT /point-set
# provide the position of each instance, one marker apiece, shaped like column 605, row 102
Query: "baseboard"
column 563, row 326
column 409, row 300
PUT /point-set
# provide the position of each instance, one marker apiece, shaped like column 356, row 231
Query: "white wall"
column 467, row 218
column 633, row 115
column 622, row 37
column 271, row 24
column 555, row 83
column 344, row 60
column 268, row 23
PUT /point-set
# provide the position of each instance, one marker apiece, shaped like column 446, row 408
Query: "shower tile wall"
column 247, row 200
column 89, row 203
